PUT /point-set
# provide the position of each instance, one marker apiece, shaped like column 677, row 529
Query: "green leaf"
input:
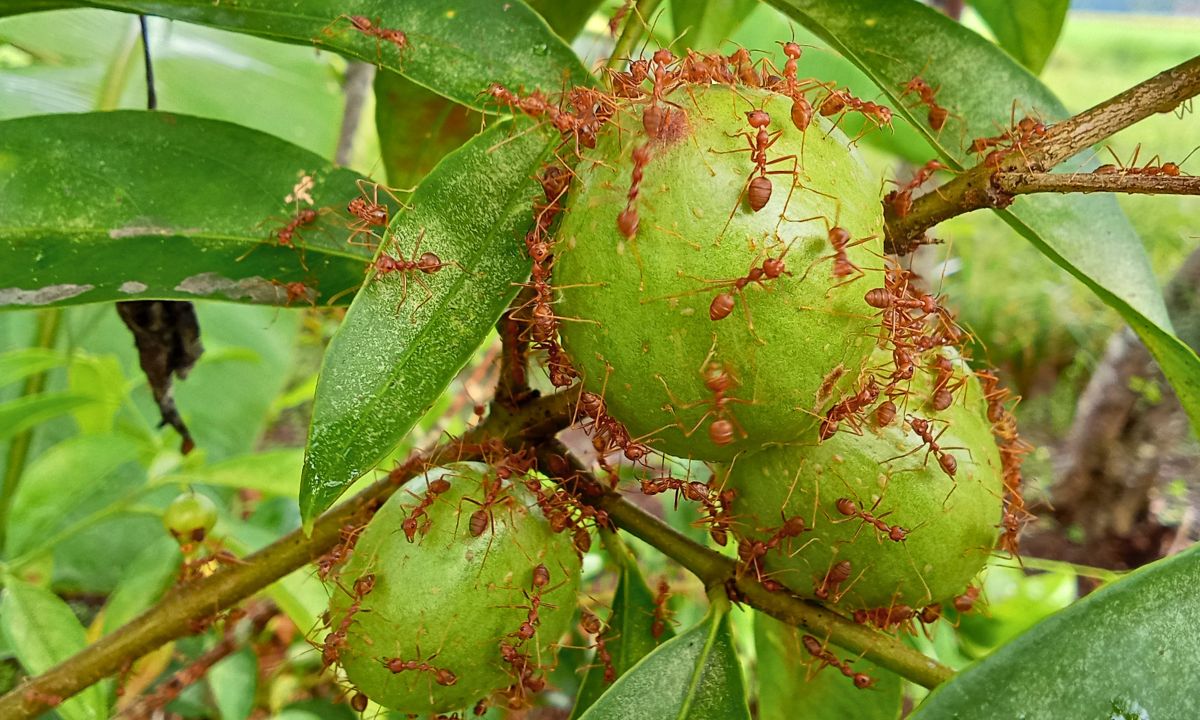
column 695, row 675
column 1134, row 643
column 1027, row 29
column 566, row 18
column 1088, row 235
column 272, row 472
column 101, row 378
column 42, row 631
column 144, row 581
column 706, row 24
column 416, row 128
column 29, row 410
column 786, row 680
column 233, row 682
column 629, row 635
column 18, row 364
column 454, row 51
column 392, row 356
column 156, row 205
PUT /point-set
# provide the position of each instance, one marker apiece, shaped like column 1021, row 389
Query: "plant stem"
column 45, row 335
column 173, row 616
column 635, row 25
column 116, row 75
column 1015, row 183
column 977, row 188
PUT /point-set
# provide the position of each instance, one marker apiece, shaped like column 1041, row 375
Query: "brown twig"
column 975, row 189
column 174, row 615
column 1025, row 183
column 236, row 634
column 512, row 388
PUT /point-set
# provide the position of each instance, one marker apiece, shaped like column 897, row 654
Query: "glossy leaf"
column 144, row 581
column 1130, row 649
column 233, row 682
column 416, row 128
column 1088, row 235
column 454, row 51
column 1027, row 29
column 187, row 211
column 706, row 24
column 19, row 364
column 695, row 675
column 42, row 632
column 404, row 338
column 629, row 636
column 788, row 677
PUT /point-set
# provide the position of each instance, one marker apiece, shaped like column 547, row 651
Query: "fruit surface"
column 636, row 312
column 449, row 599
column 190, row 517
column 950, row 523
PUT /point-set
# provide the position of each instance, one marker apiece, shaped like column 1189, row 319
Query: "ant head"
column 791, row 49
column 663, row 57
column 758, row 118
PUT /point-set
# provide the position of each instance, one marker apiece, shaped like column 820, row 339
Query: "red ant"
column 1150, row 169
column 924, row 429
column 770, row 269
column 901, row 200
column 306, row 216
column 336, row 640
column 662, row 614
column 839, row 101
column 944, row 385
column 723, row 426
column 370, row 212
column 381, row 34
column 751, row 551
column 817, row 650
column 927, row 96
column 427, row 263
column 410, row 525
column 850, row 509
column 627, row 221
column 885, row 618
column 592, row 626
column 294, row 291
column 837, row 574
column 442, row 676
column 340, row 552
column 757, row 189
column 848, row 409
column 966, row 602
column 493, row 493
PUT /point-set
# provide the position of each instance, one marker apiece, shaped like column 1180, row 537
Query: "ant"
column 1150, row 169
column 364, row 25
column 814, row 647
column 427, row 263
column 901, row 200
column 592, row 626
column 884, row 618
column 627, row 221
column 926, row 95
column 944, row 384
column 442, row 676
column 294, row 291
column 662, row 614
column 924, row 429
column 837, row 574
column 410, row 525
column 285, row 234
column 841, row 101
column 848, row 409
column 770, row 269
column 966, row 602
column 850, row 509
column 370, row 213
column 758, row 188
column 719, row 382
column 481, row 519
column 328, row 562
column 336, row 640
column 751, row 551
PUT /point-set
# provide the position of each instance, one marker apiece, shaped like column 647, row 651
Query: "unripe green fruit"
column 190, row 517
column 451, row 598
column 636, row 313
column 951, row 524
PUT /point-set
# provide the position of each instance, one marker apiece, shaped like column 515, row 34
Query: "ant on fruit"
column 719, row 382
column 336, row 640
column 850, row 509
column 442, row 676
column 840, row 241
column 494, row 492
column 411, row 525
column 849, row 409
column 627, row 221
column 924, row 429
column 814, row 647
column 757, row 188
column 770, row 269
column 338, row 554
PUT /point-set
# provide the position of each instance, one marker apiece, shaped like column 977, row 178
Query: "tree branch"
column 975, row 188
column 172, row 617
column 716, row 570
column 635, row 24
column 1025, row 183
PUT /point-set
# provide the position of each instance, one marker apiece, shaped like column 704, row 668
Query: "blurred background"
column 1114, row 476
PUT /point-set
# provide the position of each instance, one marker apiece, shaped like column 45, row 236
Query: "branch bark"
column 172, row 617
column 976, row 188
column 1025, row 183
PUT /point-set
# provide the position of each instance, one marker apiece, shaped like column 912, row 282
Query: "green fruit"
column 951, row 523
column 636, row 313
column 449, row 599
column 190, row 517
